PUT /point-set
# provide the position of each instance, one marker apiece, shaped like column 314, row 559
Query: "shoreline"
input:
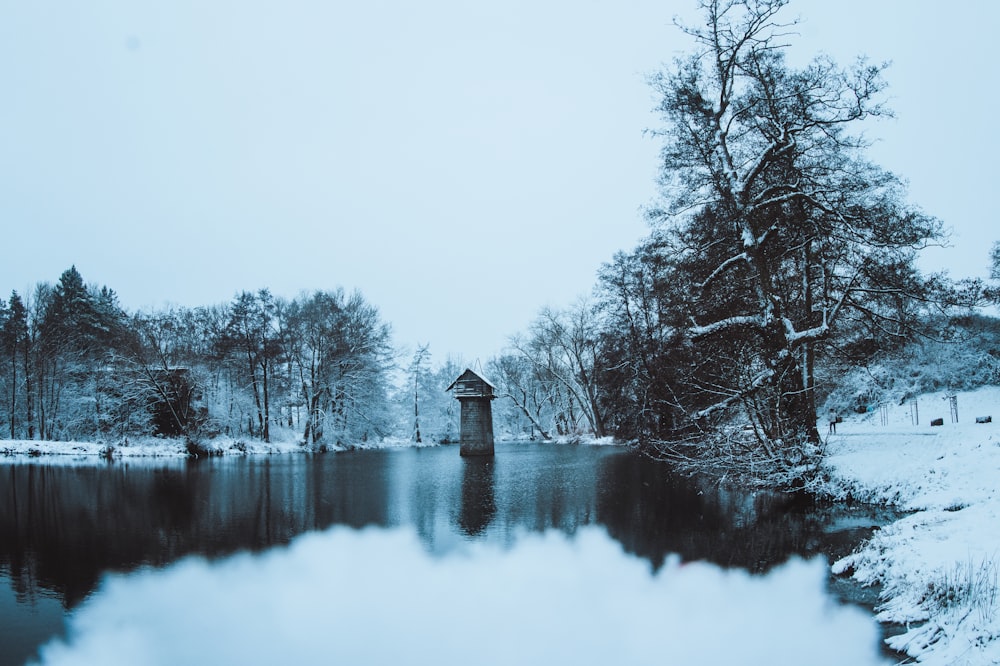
column 176, row 448
column 158, row 448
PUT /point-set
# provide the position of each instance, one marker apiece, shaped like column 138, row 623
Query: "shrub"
column 969, row 586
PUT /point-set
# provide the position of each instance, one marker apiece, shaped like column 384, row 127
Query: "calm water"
column 62, row 527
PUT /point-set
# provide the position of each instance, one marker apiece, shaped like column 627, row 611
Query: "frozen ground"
column 938, row 566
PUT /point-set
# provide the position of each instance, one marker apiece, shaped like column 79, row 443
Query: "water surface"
column 63, row 527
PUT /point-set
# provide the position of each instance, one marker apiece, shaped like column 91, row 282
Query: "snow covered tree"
column 167, row 374
column 440, row 409
column 563, row 346
column 552, row 375
column 341, row 351
column 783, row 232
column 418, row 370
column 995, row 261
column 251, row 333
column 8, row 371
column 78, row 331
column 641, row 347
column 528, row 389
column 421, row 401
column 993, row 293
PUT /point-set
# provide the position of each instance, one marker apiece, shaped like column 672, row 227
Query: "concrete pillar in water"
column 474, row 393
column 476, row 438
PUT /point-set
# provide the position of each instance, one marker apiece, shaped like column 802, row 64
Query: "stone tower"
column 476, row 432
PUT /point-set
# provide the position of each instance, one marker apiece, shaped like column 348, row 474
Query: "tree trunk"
column 808, row 350
column 266, row 425
column 416, row 411
column 13, row 391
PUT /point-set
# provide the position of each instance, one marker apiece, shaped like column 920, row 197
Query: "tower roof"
column 470, row 381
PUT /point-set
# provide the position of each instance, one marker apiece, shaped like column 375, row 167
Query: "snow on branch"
column 794, row 337
column 762, row 378
column 778, row 147
column 797, row 337
column 729, row 322
column 742, row 256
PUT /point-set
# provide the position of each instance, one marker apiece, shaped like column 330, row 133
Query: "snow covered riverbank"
column 938, row 567
column 157, row 447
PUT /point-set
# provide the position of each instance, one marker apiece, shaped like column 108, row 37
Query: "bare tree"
column 251, row 332
column 418, row 369
column 341, row 353
column 565, row 344
column 518, row 380
column 784, row 231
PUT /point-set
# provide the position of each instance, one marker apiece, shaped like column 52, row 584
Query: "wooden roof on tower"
column 471, row 385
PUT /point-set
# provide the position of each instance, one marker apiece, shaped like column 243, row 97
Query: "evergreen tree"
column 16, row 353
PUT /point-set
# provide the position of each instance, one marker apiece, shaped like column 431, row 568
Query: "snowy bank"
column 378, row 597
column 158, row 447
column 937, row 566
column 142, row 447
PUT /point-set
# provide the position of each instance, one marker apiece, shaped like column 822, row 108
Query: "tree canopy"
column 75, row 365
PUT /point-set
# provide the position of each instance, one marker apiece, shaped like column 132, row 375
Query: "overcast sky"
column 461, row 163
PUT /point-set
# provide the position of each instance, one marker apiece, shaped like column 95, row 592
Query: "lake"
column 65, row 527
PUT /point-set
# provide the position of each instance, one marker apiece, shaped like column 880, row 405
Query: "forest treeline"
column 77, row 366
column 321, row 368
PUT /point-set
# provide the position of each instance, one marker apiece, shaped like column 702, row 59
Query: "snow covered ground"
column 158, row 447
column 939, row 565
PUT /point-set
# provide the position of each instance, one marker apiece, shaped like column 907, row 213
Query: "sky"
column 462, row 164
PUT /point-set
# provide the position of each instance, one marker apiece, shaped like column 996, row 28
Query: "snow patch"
column 938, row 566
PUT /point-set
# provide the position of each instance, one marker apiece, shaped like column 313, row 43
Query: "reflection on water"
column 479, row 505
column 63, row 527
column 654, row 515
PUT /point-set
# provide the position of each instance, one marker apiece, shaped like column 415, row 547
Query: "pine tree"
column 16, row 351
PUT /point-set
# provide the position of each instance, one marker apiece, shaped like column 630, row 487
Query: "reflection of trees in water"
column 427, row 497
column 62, row 528
column 542, row 487
column 654, row 514
column 479, row 505
column 352, row 489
